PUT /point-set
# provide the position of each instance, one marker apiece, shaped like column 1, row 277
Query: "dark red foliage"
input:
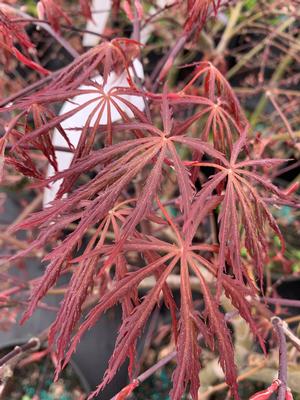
column 106, row 57
column 129, row 6
column 85, row 6
column 19, row 131
column 253, row 213
column 197, row 12
column 158, row 177
column 11, row 33
column 154, row 153
column 53, row 12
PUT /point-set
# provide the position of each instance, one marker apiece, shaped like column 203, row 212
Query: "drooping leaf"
column 188, row 350
column 198, row 11
column 12, row 32
column 216, row 323
column 52, row 11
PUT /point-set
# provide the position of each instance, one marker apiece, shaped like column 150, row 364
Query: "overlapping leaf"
column 11, row 33
column 123, row 208
column 242, row 203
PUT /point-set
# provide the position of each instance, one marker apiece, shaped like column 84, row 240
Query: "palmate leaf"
column 190, row 324
column 139, row 152
column 214, row 84
column 106, row 57
column 218, row 123
column 217, row 108
column 100, row 106
column 94, row 200
column 242, row 203
column 133, row 325
column 188, row 364
column 218, row 90
column 160, row 148
column 137, row 227
column 83, row 277
column 94, row 102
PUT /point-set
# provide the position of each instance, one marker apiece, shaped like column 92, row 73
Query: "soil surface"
column 35, row 382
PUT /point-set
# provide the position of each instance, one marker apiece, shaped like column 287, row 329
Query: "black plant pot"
column 95, row 348
column 92, row 353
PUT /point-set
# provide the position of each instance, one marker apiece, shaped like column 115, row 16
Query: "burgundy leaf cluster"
column 159, row 177
column 12, row 32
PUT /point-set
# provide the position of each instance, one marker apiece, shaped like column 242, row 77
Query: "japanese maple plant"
column 176, row 162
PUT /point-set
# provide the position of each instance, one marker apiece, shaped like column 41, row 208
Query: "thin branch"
column 28, row 209
column 10, row 360
column 145, row 375
column 282, row 302
column 154, row 15
column 56, row 148
column 136, row 35
column 282, row 116
column 289, row 334
column 167, row 61
column 65, row 27
column 248, row 56
column 33, row 343
column 283, row 367
column 29, row 88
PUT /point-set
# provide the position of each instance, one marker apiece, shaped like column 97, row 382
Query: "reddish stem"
column 283, row 367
